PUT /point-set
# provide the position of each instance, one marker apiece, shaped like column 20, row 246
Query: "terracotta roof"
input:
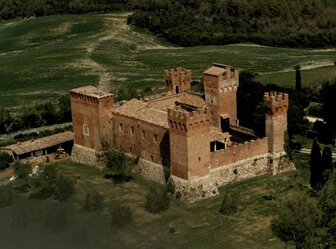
column 40, row 143
column 91, row 91
column 215, row 71
column 140, row 110
column 155, row 110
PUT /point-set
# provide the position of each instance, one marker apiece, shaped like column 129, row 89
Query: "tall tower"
column 276, row 106
column 189, row 142
column 91, row 116
column 177, row 80
column 220, row 86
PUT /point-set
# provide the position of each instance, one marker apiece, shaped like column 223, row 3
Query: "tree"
column 328, row 98
column 316, row 176
column 120, row 215
column 298, row 221
column 5, row 160
column 298, row 84
column 22, row 170
column 157, row 200
column 120, row 164
column 64, row 188
column 93, row 202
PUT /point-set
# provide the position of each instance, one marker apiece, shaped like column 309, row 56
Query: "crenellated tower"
column 189, row 142
column 276, row 107
column 91, row 116
column 220, row 85
column 177, row 80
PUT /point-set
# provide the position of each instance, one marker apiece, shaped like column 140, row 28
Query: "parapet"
column 177, row 80
column 227, row 77
column 177, row 74
column 275, row 102
column 180, row 119
column 90, row 94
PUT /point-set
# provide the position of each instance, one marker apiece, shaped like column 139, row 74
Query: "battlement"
column 177, row 80
column 177, row 74
column 180, row 119
column 276, row 102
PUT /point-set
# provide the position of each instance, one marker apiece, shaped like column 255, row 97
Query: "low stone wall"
column 251, row 167
column 194, row 190
column 152, row 171
column 84, row 155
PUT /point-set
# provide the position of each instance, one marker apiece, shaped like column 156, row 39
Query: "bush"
column 120, row 216
column 157, row 200
column 5, row 160
column 120, row 164
column 229, row 204
column 93, row 202
column 6, row 196
column 50, row 184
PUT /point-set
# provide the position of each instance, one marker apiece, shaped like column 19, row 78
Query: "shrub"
column 157, row 200
column 93, row 202
column 64, row 188
column 5, row 160
column 120, row 215
column 229, row 204
column 120, row 164
column 6, row 196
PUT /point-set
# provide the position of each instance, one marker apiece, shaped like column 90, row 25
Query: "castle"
column 193, row 141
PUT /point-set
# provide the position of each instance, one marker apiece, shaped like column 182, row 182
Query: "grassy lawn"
column 44, row 57
column 35, row 224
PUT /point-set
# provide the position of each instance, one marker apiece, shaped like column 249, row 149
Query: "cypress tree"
column 298, row 84
column 316, row 175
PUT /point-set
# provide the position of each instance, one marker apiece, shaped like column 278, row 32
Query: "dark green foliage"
column 307, row 24
column 126, row 93
column 298, row 221
column 229, row 204
column 26, row 8
column 120, row 164
column 157, row 200
column 316, row 175
column 31, row 116
column 328, row 99
column 6, row 196
column 51, row 184
column 5, row 160
column 298, row 83
column 250, row 102
column 93, row 202
column 22, row 170
column 120, row 216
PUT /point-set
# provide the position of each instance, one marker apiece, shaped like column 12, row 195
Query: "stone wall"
column 194, row 190
column 84, row 155
column 239, row 152
column 152, row 171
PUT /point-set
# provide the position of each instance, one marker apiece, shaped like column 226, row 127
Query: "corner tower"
column 220, row 86
column 276, row 106
column 91, row 116
column 177, row 80
column 189, row 142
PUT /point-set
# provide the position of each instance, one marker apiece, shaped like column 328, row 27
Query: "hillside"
column 44, row 57
column 287, row 23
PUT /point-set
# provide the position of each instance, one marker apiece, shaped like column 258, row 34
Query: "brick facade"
column 196, row 141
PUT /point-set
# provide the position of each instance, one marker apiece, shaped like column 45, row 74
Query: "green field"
column 44, row 57
column 34, row 224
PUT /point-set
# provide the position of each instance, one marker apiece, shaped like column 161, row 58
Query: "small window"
column 130, row 150
column 143, row 134
column 152, row 157
column 85, row 129
column 120, row 127
column 199, row 158
column 155, row 138
column 132, row 130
